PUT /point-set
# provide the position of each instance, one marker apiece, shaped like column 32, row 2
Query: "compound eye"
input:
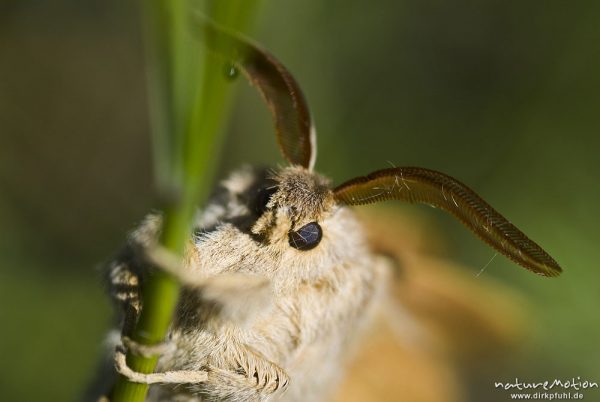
column 307, row 237
column 263, row 198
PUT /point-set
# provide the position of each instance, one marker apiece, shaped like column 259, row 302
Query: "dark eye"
column 263, row 197
column 307, row 237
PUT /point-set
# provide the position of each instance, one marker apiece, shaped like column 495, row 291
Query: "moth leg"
column 267, row 376
column 125, row 275
column 167, row 377
column 254, row 379
column 124, row 284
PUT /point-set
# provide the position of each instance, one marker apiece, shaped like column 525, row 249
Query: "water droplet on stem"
column 231, row 71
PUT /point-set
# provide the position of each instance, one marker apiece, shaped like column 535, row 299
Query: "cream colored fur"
column 264, row 320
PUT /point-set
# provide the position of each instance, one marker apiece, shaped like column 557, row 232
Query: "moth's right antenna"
column 294, row 129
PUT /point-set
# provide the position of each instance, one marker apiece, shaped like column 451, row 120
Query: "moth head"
column 296, row 200
column 284, row 224
column 292, row 205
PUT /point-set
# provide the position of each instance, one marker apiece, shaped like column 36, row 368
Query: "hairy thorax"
column 315, row 301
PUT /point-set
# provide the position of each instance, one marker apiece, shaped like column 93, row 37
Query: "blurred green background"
column 503, row 95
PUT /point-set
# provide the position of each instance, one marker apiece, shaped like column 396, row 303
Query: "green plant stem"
column 161, row 292
column 186, row 127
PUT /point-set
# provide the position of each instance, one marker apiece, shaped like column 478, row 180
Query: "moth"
column 279, row 280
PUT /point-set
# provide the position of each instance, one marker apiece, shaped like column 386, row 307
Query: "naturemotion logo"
column 573, row 384
column 562, row 389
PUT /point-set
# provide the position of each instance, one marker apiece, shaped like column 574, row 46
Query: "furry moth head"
column 291, row 205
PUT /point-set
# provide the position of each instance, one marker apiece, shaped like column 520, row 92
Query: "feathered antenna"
column 424, row 186
column 294, row 129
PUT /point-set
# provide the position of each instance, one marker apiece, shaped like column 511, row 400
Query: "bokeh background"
column 503, row 95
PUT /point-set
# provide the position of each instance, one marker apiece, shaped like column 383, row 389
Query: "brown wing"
column 294, row 129
column 424, row 186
